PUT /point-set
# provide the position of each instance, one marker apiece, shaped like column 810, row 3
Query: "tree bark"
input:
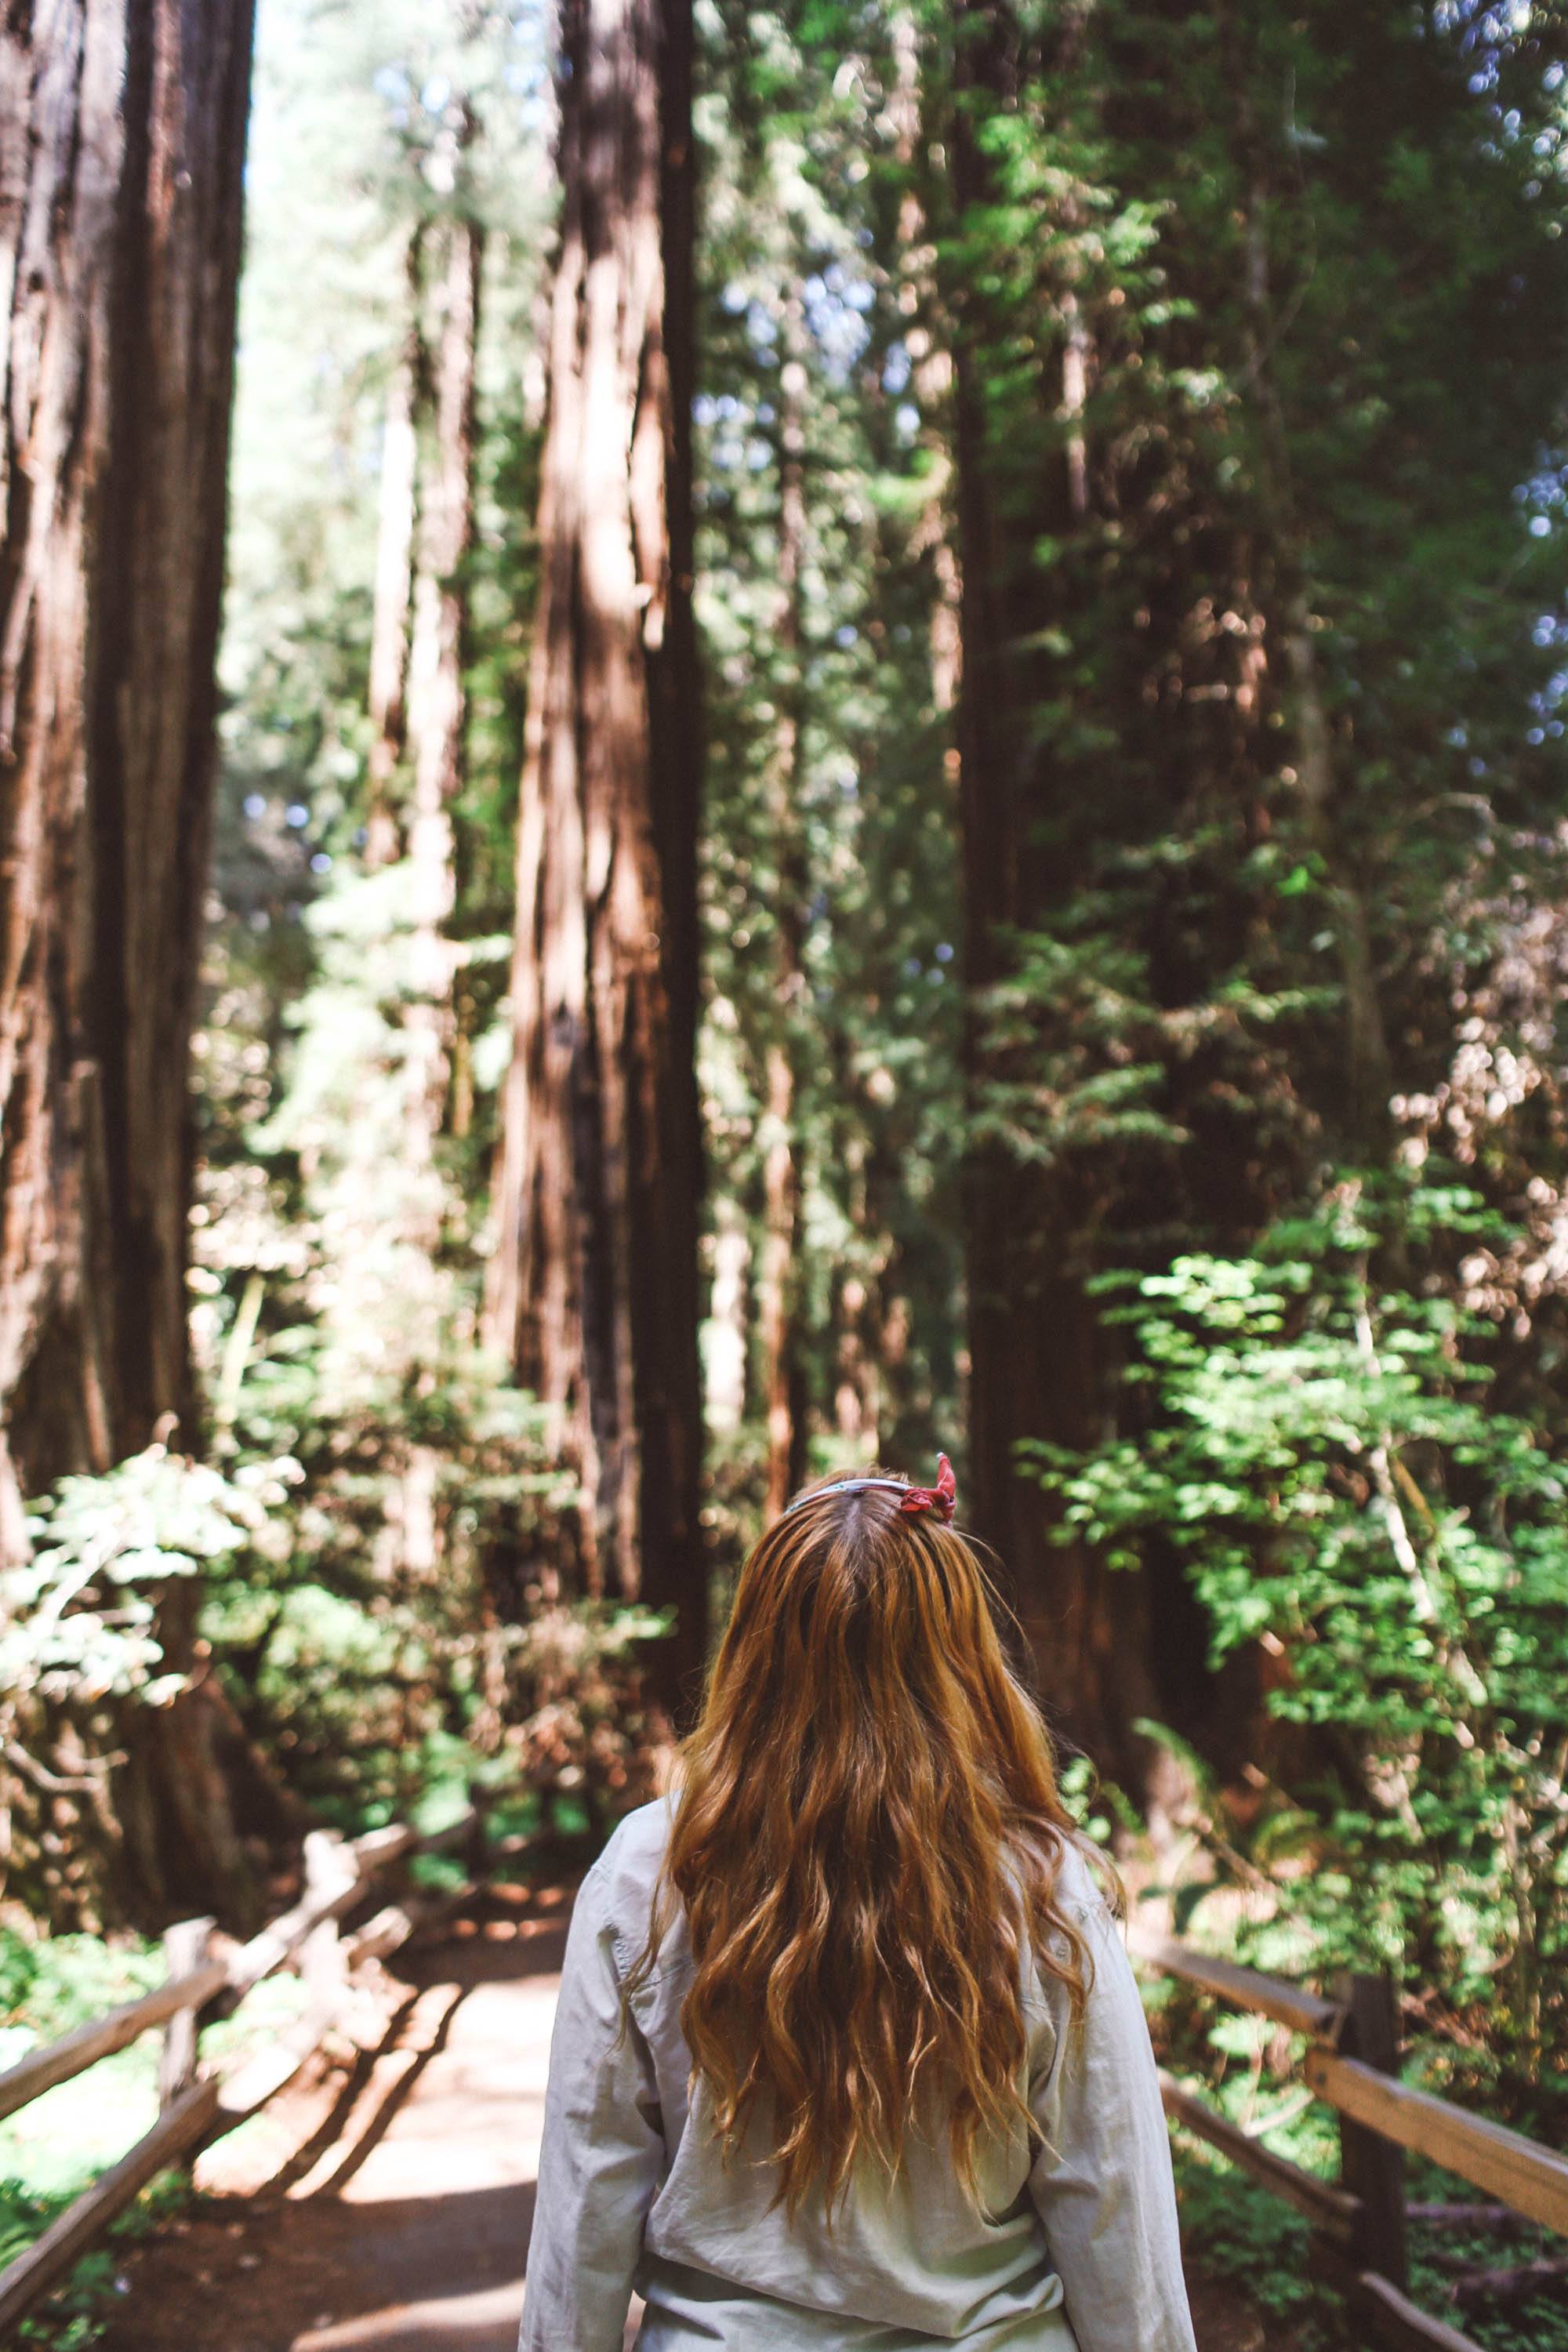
column 395, row 570
column 1365, row 1123
column 1034, row 1342
column 778, row 1279
column 594, row 1293
column 931, row 366
column 437, row 701
column 122, row 130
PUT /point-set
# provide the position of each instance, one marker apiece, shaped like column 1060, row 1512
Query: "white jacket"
column 1077, row 2251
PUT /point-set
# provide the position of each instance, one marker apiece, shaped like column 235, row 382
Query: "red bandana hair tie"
column 942, row 1499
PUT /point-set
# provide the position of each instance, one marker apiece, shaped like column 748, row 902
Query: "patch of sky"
column 835, row 303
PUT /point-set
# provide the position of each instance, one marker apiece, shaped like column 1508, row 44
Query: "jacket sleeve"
column 1102, row 2183
column 602, row 2153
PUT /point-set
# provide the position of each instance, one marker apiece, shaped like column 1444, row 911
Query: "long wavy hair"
column 867, row 1825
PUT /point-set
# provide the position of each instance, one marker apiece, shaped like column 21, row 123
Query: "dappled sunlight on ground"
column 387, row 2200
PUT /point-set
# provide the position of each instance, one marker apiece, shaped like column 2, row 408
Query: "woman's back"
column 1078, row 2247
column 848, row 2052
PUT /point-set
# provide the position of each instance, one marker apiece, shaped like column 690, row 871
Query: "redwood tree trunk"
column 437, row 698
column 777, row 1284
column 594, row 1291
column 395, row 570
column 122, row 145
column 1034, row 1337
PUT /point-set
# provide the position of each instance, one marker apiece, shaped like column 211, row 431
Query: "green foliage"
column 74, row 2316
column 1253, row 2240
column 805, row 266
column 81, row 1620
column 50, row 1985
column 1319, row 1444
column 54, row 2148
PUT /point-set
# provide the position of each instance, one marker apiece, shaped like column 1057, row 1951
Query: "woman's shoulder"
column 624, row 1878
column 1083, row 1884
column 1079, row 1879
column 1079, row 1894
column 639, row 1837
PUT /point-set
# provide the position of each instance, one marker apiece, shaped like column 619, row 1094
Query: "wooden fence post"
column 185, row 1949
column 330, row 1868
column 477, row 1857
column 1372, row 2167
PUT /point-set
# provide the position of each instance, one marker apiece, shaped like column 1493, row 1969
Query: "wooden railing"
column 1358, row 2222
column 194, row 2107
column 1358, row 2233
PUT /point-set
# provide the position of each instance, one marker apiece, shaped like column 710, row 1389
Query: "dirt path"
column 385, row 2206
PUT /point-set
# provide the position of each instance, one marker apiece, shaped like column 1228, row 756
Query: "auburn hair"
column 867, row 1826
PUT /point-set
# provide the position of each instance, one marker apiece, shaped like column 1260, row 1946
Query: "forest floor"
column 382, row 2204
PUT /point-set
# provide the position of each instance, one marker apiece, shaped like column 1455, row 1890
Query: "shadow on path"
column 398, row 2217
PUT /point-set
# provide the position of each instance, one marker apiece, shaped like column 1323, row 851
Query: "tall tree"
column 778, row 1277
column 1032, row 1326
column 123, row 139
column 594, row 1293
column 396, row 516
column 829, row 891
column 1248, row 420
column 437, row 693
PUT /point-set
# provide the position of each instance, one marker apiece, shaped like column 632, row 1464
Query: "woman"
column 849, row 2054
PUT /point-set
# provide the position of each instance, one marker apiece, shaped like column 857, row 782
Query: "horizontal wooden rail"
column 1531, row 2178
column 177, row 2128
column 1287, row 2004
column 1359, row 2224
column 377, row 1848
column 100, row 2037
column 1385, row 2310
column 337, row 1875
column 1334, row 2210
column 1403, row 2324
column 280, row 1940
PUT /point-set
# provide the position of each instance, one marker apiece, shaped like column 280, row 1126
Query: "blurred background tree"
column 120, row 225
